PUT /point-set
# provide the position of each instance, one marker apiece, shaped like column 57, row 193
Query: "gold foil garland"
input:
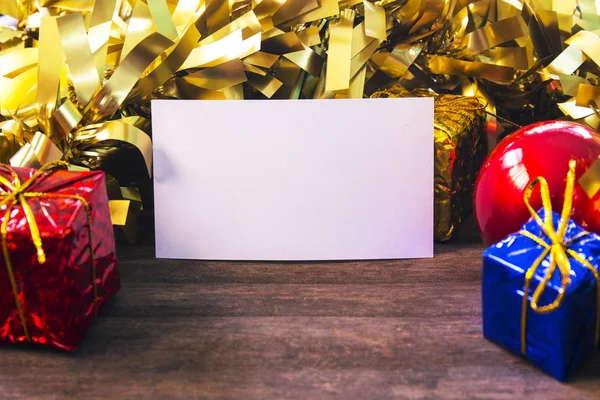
column 75, row 71
column 465, row 34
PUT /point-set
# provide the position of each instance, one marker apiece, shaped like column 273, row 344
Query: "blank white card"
column 293, row 180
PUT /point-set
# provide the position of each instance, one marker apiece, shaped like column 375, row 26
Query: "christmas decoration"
column 542, row 149
column 59, row 264
column 541, row 287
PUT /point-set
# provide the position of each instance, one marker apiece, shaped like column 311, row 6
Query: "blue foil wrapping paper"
column 557, row 342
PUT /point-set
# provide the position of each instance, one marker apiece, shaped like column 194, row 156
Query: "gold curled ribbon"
column 558, row 250
column 17, row 195
column 130, row 130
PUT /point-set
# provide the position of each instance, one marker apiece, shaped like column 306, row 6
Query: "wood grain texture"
column 407, row 329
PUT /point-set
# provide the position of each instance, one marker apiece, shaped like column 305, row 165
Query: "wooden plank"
column 274, row 357
column 375, row 329
column 450, row 264
column 257, row 300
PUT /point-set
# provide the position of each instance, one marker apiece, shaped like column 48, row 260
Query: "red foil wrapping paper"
column 57, row 297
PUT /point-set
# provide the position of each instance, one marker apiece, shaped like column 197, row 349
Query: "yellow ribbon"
column 17, row 195
column 559, row 253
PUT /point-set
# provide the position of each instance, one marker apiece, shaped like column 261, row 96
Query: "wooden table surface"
column 408, row 329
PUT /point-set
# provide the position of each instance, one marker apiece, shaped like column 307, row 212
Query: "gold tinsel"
column 76, row 76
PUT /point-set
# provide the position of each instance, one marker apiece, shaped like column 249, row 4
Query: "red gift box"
column 59, row 264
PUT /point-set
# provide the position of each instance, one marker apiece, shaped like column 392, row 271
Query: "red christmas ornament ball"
column 541, row 149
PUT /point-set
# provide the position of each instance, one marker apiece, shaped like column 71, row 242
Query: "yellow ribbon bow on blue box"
column 541, row 287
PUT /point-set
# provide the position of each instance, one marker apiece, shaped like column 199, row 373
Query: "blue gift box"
column 560, row 340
